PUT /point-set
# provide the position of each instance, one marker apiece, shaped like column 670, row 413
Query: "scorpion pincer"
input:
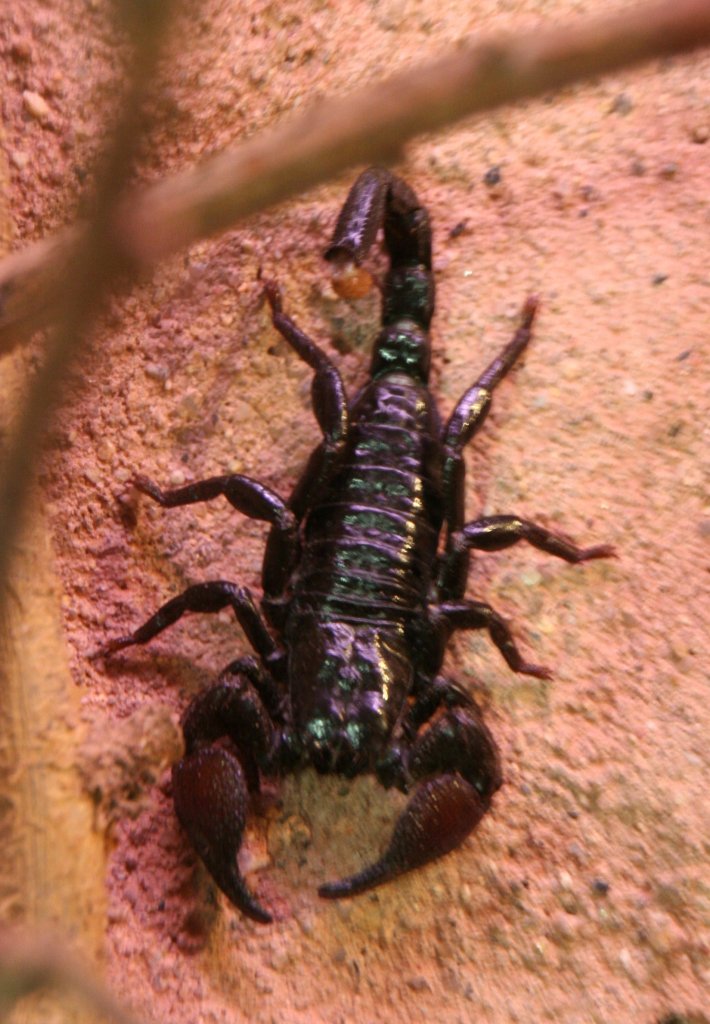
column 359, row 595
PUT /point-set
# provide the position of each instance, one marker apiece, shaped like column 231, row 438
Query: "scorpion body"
column 359, row 596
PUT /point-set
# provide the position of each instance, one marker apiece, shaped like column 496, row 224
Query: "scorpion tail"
column 361, row 217
column 440, row 815
column 211, row 800
column 379, row 199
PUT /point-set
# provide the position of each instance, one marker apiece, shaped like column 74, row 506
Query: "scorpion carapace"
column 359, row 596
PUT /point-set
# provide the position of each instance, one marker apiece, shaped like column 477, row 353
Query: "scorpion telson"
column 359, row 596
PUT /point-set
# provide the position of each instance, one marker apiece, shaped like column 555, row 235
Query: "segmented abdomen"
column 370, row 544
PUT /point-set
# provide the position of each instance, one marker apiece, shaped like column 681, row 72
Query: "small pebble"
column 569, row 902
column 576, row 852
column 560, row 929
column 280, row 959
column 622, row 104
column 572, row 369
column 196, row 269
column 530, row 578
column 638, row 168
column 664, row 936
column 418, row 983
column 106, row 451
column 458, row 229
column 600, row 887
column 700, row 134
column 35, row 105
column 493, row 176
column 466, row 897
column 659, row 279
column 669, row 170
column 344, row 910
column 306, row 923
column 626, row 961
column 155, row 371
column 21, row 51
column 19, row 159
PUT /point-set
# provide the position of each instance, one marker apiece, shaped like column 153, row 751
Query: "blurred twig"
column 34, row 961
column 87, row 269
column 371, row 126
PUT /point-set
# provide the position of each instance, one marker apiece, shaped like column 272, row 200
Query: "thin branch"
column 32, row 961
column 370, row 127
column 90, row 267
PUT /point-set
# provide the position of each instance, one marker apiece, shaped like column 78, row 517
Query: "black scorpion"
column 359, row 597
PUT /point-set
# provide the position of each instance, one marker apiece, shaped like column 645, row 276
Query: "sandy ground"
column 583, row 896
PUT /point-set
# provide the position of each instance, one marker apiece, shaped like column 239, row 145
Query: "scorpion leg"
column 250, row 498
column 330, row 406
column 493, row 533
column 478, row 615
column 211, row 783
column 455, row 762
column 465, row 421
column 209, row 598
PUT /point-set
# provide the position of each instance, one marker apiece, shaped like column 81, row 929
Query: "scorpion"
column 360, row 596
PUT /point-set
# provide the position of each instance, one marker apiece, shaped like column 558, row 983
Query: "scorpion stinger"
column 358, row 603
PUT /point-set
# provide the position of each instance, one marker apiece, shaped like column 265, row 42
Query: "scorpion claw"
column 437, row 819
column 210, row 795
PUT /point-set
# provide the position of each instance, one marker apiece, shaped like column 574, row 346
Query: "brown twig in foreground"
column 89, row 268
column 371, row 126
column 33, row 961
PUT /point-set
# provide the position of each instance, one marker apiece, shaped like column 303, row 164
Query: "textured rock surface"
column 581, row 897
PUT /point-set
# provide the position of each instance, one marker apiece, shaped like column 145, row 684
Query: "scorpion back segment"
column 359, row 597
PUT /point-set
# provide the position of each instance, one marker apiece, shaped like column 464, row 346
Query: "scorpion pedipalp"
column 211, row 803
column 437, row 819
column 457, row 759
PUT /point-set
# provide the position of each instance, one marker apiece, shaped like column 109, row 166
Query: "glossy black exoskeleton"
column 359, row 596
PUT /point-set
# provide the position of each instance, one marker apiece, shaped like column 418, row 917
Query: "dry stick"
column 371, row 126
column 374, row 124
column 89, row 269
column 32, row 961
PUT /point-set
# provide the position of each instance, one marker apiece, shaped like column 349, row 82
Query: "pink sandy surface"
column 583, row 896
